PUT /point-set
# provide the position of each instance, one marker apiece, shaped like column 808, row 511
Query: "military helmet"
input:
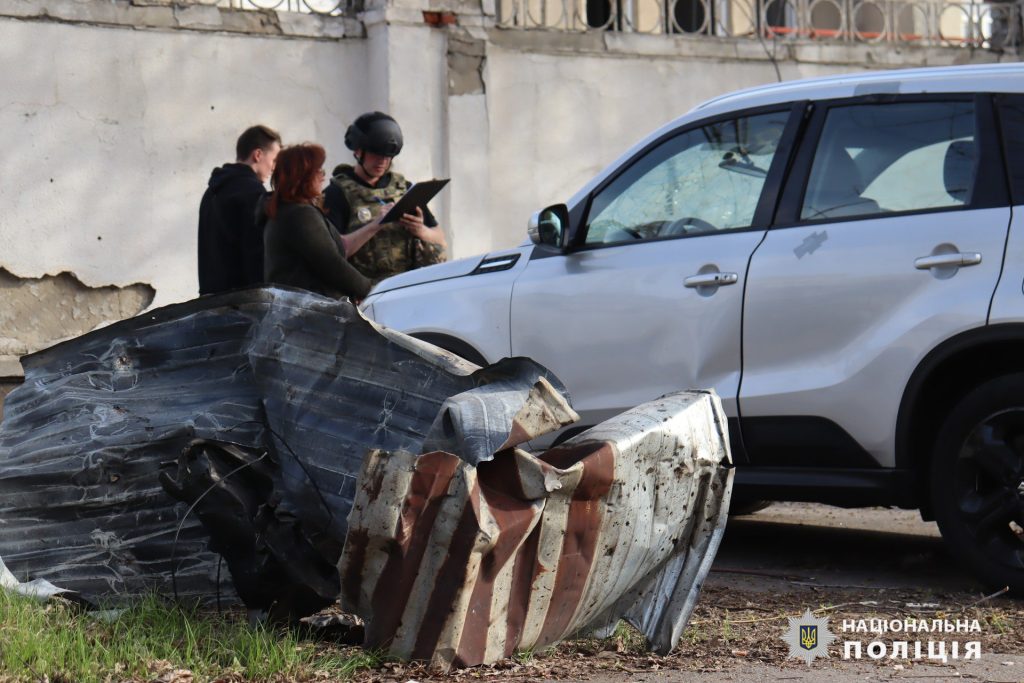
column 375, row 132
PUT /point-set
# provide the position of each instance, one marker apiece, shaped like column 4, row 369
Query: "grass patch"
column 628, row 639
column 997, row 622
column 59, row 641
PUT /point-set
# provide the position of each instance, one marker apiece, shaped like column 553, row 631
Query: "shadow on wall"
column 38, row 312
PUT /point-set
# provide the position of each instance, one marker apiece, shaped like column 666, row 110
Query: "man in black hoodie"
column 230, row 244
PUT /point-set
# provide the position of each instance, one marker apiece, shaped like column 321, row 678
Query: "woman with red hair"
column 301, row 247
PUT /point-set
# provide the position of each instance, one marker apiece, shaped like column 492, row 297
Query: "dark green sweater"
column 302, row 249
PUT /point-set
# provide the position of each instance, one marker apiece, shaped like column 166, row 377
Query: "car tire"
column 977, row 482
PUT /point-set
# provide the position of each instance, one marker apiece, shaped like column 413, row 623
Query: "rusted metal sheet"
column 464, row 560
column 275, row 394
column 274, row 427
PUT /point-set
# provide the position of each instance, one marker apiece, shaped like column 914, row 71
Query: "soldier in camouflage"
column 358, row 193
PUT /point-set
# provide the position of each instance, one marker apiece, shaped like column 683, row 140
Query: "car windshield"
column 703, row 180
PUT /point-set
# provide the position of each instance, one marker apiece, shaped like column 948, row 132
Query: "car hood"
column 492, row 261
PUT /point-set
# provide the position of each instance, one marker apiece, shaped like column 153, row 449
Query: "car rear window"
column 877, row 159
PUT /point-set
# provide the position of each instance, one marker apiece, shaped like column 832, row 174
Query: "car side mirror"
column 548, row 226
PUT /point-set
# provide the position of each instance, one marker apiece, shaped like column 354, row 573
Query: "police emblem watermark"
column 901, row 639
column 808, row 637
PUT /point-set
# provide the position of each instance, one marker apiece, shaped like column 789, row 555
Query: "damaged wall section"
column 38, row 312
column 466, row 58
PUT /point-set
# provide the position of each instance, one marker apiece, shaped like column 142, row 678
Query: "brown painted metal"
column 520, row 550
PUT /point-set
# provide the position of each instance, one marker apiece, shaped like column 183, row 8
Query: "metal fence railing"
column 327, row 7
column 960, row 23
column 950, row 23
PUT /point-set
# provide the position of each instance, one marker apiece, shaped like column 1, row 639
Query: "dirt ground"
column 841, row 564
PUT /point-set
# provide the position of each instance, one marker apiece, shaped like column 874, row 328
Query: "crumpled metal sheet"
column 271, row 427
column 39, row 589
column 481, row 422
column 462, row 561
column 283, row 559
column 303, row 384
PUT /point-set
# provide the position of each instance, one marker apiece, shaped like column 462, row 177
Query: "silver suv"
column 842, row 260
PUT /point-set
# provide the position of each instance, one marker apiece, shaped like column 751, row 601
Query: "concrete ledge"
column 189, row 16
column 10, row 367
column 618, row 44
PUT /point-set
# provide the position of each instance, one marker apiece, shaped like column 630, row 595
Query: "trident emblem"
column 809, row 637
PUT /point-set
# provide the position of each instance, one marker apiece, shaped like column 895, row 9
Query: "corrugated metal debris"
column 292, row 386
column 273, row 428
column 463, row 563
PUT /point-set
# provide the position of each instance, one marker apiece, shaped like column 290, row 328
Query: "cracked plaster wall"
column 38, row 312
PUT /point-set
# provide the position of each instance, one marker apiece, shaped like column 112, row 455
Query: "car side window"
column 704, row 180
column 887, row 158
column 1011, row 119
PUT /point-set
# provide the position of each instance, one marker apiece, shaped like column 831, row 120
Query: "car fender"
column 466, row 311
column 942, row 377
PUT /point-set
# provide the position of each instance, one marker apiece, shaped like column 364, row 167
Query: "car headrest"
column 958, row 169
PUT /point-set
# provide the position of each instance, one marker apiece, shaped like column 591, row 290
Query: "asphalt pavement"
column 796, row 556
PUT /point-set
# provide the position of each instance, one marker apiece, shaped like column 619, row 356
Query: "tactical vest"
column 392, row 250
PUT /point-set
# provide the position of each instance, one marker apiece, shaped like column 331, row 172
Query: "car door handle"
column 959, row 259
column 711, row 280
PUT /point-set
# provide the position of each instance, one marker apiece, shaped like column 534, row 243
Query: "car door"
column 647, row 298
column 1008, row 304
column 889, row 239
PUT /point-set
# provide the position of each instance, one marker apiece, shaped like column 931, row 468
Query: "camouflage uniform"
column 392, row 250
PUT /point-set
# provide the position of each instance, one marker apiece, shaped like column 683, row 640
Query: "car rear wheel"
column 977, row 482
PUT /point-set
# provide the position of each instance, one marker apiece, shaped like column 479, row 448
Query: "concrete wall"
column 112, row 117
column 109, row 135
column 113, row 113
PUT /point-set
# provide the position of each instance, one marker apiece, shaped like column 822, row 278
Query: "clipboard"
column 417, row 195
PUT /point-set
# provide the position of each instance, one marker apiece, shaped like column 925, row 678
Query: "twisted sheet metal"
column 304, row 382
column 276, row 413
column 463, row 562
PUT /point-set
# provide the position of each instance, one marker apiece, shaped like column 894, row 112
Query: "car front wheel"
column 977, row 482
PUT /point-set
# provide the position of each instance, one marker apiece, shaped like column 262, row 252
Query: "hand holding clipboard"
column 415, row 197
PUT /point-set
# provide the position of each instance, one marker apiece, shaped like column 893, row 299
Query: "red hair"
column 295, row 176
